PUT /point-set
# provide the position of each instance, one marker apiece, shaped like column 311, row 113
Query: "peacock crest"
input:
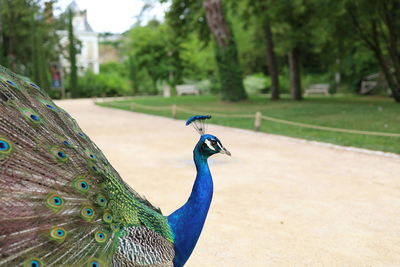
column 198, row 123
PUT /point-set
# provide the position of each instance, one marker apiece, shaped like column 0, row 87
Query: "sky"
column 114, row 16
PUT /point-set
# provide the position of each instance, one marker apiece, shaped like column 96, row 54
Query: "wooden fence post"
column 173, row 110
column 257, row 121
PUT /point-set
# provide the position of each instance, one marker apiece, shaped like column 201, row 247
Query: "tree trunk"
column 133, row 74
column 2, row 57
column 12, row 40
column 271, row 60
column 230, row 73
column 389, row 16
column 295, row 79
column 390, row 79
column 338, row 76
column 73, row 75
column 374, row 32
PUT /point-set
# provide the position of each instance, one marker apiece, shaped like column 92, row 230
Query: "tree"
column 378, row 25
column 295, row 76
column 226, row 55
column 133, row 74
column 298, row 25
column 16, row 17
column 153, row 49
column 208, row 18
column 271, row 59
column 292, row 22
column 258, row 10
column 72, row 52
column 28, row 40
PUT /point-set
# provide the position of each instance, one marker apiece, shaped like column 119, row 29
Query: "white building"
column 88, row 58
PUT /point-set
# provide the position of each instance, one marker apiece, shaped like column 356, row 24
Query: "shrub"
column 103, row 84
column 256, row 83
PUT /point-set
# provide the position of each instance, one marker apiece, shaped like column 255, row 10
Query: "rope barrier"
column 305, row 125
column 259, row 117
column 151, row 107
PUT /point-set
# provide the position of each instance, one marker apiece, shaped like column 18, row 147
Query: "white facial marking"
column 220, row 146
column 208, row 143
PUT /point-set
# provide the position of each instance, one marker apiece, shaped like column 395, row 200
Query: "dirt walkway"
column 277, row 201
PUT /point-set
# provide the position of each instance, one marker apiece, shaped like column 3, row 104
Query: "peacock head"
column 208, row 144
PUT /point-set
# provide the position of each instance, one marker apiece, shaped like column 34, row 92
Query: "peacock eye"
column 213, row 142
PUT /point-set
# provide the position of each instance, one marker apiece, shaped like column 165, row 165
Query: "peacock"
column 63, row 204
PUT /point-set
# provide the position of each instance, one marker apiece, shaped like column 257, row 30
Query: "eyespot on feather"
column 67, row 143
column 33, row 262
column 55, row 202
column 87, row 213
column 80, row 133
column 100, row 237
column 93, row 262
column 114, row 227
column 30, row 116
column 76, row 128
column 59, row 154
column 107, row 217
column 58, row 234
column 90, row 155
column 12, row 83
column 9, row 82
column 101, row 200
column 6, row 147
column 64, row 142
column 50, row 107
column 34, row 85
column 93, row 168
column 81, row 184
column 47, row 104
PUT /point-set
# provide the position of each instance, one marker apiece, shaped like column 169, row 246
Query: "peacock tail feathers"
column 61, row 202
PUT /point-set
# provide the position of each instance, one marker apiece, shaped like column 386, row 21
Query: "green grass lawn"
column 379, row 114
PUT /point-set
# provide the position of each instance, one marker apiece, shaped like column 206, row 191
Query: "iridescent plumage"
column 61, row 202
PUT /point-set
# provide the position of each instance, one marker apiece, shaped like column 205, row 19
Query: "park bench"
column 320, row 88
column 369, row 83
column 187, row 89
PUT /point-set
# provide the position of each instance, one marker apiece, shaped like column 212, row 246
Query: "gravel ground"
column 278, row 201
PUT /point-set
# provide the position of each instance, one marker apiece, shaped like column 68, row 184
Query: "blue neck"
column 187, row 222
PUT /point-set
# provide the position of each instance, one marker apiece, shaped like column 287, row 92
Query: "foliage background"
column 181, row 49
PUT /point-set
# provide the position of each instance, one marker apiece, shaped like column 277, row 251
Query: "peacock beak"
column 225, row 151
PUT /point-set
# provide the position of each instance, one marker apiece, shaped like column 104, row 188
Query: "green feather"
column 62, row 202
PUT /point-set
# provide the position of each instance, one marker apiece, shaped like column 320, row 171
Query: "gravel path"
column 278, row 201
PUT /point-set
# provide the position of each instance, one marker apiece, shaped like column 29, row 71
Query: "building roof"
column 73, row 6
column 88, row 28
